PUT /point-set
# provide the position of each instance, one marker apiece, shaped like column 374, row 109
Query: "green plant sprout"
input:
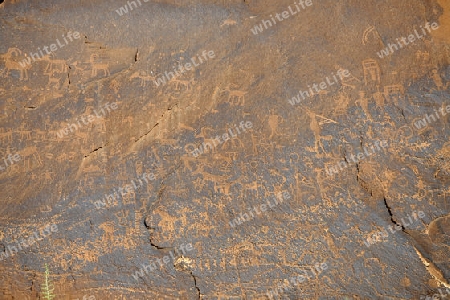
column 47, row 286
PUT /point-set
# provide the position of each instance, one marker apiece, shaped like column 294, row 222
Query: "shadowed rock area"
column 166, row 149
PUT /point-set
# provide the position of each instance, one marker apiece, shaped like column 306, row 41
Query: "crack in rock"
column 95, row 150
column 390, row 214
column 195, row 284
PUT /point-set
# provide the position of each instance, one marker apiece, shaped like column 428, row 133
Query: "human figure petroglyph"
column 438, row 80
column 423, row 58
column 315, row 128
column 255, row 143
column 273, row 125
column 379, row 98
column 371, row 71
column 364, row 104
column 394, row 92
column 11, row 64
column 129, row 197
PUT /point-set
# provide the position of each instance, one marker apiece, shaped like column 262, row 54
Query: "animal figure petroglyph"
column 30, row 153
column 98, row 66
column 228, row 22
column 55, row 65
column 143, row 77
column 11, row 64
column 203, row 134
column 108, row 228
column 6, row 135
column 236, row 97
column 181, row 83
column 53, row 81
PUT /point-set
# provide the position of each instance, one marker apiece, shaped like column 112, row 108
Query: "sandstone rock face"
column 224, row 149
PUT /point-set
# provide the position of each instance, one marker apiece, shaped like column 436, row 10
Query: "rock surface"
column 290, row 147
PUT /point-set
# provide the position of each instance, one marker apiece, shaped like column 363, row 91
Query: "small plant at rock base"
column 47, row 286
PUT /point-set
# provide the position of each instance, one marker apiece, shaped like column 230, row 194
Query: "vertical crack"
column 68, row 75
column 136, row 56
column 391, row 215
column 195, row 284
